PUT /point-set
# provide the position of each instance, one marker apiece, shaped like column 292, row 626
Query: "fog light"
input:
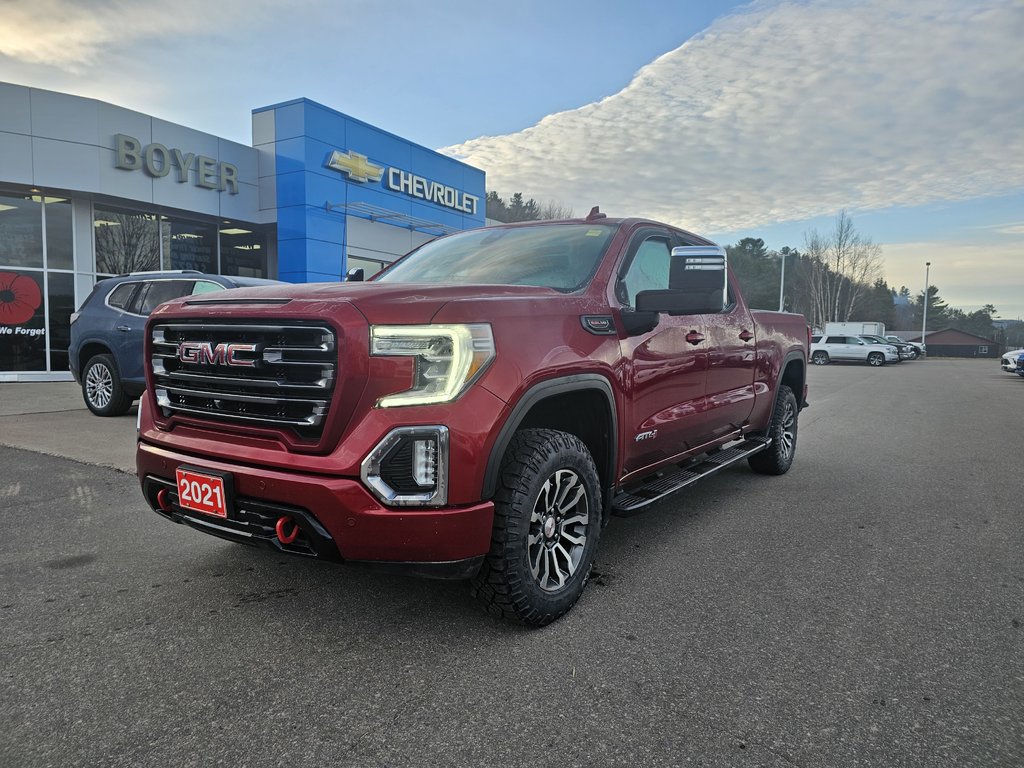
column 409, row 467
column 424, row 463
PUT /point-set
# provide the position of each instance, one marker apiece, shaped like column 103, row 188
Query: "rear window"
column 121, row 295
column 205, row 286
column 157, row 292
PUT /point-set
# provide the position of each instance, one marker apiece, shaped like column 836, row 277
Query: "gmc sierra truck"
column 477, row 410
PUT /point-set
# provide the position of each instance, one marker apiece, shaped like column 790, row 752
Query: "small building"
column 950, row 342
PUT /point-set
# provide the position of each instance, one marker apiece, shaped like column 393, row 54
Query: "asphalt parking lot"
column 863, row 610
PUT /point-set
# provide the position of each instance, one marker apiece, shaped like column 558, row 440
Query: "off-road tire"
column 102, row 390
column 820, row 358
column 506, row 583
column 777, row 458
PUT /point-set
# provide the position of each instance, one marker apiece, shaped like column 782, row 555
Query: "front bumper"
column 338, row 518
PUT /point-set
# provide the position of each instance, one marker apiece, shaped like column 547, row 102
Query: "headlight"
column 448, row 359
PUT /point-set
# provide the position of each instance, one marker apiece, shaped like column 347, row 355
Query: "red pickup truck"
column 477, row 410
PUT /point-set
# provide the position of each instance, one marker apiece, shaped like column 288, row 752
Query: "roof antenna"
column 595, row 213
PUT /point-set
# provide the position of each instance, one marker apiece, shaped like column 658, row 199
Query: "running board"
column 672, row 479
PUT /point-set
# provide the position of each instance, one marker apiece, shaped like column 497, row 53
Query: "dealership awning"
column 376, row 213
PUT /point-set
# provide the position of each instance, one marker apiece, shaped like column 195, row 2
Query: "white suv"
column 825, row 349
column 1008, row 362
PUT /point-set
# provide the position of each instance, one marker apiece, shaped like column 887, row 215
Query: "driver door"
column 665, row 368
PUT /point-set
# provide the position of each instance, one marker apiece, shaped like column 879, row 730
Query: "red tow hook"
column 283, row 534
column 162, row 500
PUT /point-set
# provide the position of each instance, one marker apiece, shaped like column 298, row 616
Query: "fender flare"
column 792, row 355
column 78, row 371
column 540, row 391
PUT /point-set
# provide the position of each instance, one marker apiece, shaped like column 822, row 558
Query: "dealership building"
column 90, row 189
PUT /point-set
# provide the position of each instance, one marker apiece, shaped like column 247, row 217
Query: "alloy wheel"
column 787, row 432
column 558, row 530
column 99, row 385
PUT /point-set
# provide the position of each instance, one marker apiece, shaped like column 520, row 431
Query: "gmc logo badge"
column 206, row 353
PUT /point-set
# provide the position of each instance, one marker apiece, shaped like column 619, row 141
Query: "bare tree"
column 814, row 274
column 842, row 268
column 126, row 243
column 554, row 209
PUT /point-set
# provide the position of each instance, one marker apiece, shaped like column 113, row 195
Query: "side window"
column 815, row 339
column 121, row 295
column 648, row 271
column 835, row 340
column 205, row 286
column 157, row 292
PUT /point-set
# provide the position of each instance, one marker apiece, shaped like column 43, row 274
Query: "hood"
column 392, row 303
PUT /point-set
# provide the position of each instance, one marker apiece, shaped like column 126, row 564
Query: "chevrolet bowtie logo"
column 357, row 166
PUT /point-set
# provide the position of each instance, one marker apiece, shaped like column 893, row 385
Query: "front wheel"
column 777, row 458
column 547, row 522
column 102, row 389
column 820, row 358
column 876, row 359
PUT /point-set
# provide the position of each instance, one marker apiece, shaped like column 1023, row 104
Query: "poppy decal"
column 19, row 298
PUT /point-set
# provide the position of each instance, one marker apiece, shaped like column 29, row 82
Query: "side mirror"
column 700, row 269
column 354, row 275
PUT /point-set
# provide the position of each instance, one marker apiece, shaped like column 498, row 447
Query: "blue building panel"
column 291, row 223
column 289, row 121
column 402, row 183
column 325, row 225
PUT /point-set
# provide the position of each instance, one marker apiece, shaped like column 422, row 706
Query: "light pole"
column 782, row 255
column 782, row 282
column 924, row 318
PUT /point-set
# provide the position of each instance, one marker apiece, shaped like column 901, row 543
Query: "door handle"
column 124, row 327
column 694, row 338
column 746, row 335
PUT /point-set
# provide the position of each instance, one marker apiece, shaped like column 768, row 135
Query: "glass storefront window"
column 370, row 267
column 126, row 241
column 60, row 301
column 192, row 245
column 21, row 231
column 243, row 252
column 60, row 251
column 22, row 321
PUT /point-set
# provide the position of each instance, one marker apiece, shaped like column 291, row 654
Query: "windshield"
column 559, row 256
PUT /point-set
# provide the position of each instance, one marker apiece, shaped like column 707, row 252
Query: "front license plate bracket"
column 216, row 489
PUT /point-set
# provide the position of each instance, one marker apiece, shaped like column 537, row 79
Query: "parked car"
column 1020, row 365
column 1008, row 362
column 108, row 330
column 825, row 349
column 918, row 348
column 904, row 350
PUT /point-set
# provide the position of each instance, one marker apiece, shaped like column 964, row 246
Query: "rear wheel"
column 547, row 522
column 876, row 359
column 820, row 358
column 777, row 458
column 101, row 387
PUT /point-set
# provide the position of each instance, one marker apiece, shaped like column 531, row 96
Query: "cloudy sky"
column 732, row 119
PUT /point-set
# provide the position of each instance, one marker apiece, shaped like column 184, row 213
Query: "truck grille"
column 281, row 375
